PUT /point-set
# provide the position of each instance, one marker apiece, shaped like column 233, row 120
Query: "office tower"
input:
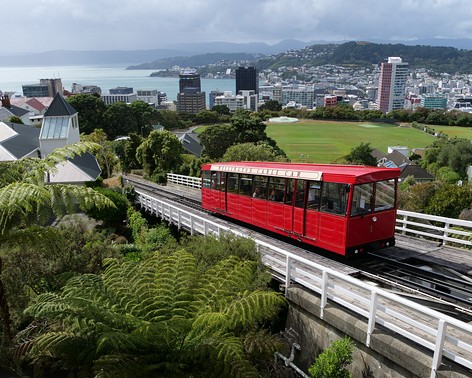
column 190, row 98
column 393, row 75
column 246, row 79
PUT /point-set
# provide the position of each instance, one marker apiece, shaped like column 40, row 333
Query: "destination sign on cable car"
column 290, row 173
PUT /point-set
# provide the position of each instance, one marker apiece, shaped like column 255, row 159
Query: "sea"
column 105, row 77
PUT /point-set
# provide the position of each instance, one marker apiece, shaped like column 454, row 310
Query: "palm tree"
column 160, row 317
column 27, row 201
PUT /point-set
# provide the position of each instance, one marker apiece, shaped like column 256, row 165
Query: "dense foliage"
column 333, row 361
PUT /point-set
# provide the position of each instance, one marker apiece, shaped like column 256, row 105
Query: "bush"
column 332, row 362
column 111, row 217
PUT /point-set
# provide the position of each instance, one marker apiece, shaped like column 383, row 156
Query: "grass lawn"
column 455, row 131
column 325, row 141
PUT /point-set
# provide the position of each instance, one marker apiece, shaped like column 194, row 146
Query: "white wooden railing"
column 445, row 336
column 193, row 182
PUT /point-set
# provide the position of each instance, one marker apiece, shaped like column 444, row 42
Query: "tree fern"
column 154, row 316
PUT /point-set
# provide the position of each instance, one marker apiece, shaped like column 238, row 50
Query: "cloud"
column 39, row 25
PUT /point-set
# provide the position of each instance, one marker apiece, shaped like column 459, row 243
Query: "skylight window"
column 55, row 128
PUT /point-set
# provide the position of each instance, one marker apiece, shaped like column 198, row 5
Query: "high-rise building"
column 190, row 98
column 393, row 75
column 246, row 79
column 45, row 88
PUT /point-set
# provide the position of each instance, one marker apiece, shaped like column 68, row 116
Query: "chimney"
column 6, row 101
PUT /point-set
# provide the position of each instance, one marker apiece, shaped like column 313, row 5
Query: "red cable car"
column 346, row 209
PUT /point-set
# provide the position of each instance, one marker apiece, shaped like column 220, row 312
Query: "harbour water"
column 12, row 79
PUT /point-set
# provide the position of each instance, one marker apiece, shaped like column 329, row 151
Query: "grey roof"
column 87, row 163
column 416, row 171
column 16, row 110
column 59, row 107
column 24, row 143
column 190, row 143
column 398, row 159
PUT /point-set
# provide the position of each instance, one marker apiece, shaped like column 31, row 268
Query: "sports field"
column 326, row 141
column 455, row 131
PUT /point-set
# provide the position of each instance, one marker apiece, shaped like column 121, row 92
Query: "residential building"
column 211, row 97
column 8, row 110
column 246, row 79
column 434, row 101
column 45, row 88
column 392, row 81
column 79, row 88
column 150, row 96
column 250, row 99
column 330, row 100
column 300, row 94
column 109, row 99
column 121, row 90
column 233, row 102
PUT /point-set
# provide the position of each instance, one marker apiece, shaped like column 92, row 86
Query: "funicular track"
column 442, row 290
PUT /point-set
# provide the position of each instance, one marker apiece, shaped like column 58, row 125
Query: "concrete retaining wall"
column 388, row 356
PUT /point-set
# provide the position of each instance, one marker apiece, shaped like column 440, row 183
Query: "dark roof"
column 87, row 163
column 59, row 107
column 16, row 110
column 398, row 158
column 379, row 155
column 190, row 143
column 416, row 171
column 24, row 143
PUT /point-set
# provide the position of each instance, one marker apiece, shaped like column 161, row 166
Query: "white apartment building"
column 150, row 96
column 233, row 102
column 109, row 99
column 300, row 94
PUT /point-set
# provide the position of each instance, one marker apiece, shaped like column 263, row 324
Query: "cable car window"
column 384, row 195
column 314, row 195
column 276, row 189
column 215, row 178
column 233, row 183
column 289, row 192
column 334, row 198
column 300, row 194
column 206, row 179
column 259, row 189
column 362, row 199
column 245, row 185
column 223, row 181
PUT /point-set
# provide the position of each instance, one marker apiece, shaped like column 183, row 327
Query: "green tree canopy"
column 125, row 149
column 362, row 155
column 159, row 317
column 252, row 152
column 161, row 152
column 105, row 154
column 90, row 110
column 272, row 105
column 217, row 139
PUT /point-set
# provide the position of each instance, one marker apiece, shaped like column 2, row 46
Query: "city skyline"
column 45, row 25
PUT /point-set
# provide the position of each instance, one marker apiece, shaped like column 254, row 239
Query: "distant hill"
column 196, row 60
column 133, row 57
column 437, row 58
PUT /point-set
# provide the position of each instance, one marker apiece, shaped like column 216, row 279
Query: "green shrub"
column 333, row 361
column 111, row 217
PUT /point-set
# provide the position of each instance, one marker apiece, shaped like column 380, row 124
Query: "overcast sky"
column 43, row 25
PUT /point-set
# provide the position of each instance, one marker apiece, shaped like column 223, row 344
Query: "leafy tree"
column 206, row 117
column 119, row 120
column 333, row 361
column 248, row 128
column 145, row 116
column 125, row 149
column 221, row 109
column 362, row 155
column 252, row 152
column 217, row 139
column 159, row 317
column 455, row 153
column 449, row 200
column 170, row 119
column 90, row 110
column 105, row 155
column 110, row 217
column 161, row 152
column 272, row 105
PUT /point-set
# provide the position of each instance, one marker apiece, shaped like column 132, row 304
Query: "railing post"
column 446, row 233
column 324, row 293
column 288, row 268
column 404, row 227
column 372, row 315
column 438, row 348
